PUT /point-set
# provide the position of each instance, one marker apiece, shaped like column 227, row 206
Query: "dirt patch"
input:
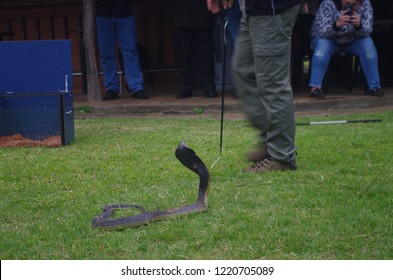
column 17, row 140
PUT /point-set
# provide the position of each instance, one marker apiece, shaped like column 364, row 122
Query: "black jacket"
column 268, row 7
column 114, row 8
column 191, row 13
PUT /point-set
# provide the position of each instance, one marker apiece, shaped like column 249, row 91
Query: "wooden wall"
column 47, row 20
column 60, row 19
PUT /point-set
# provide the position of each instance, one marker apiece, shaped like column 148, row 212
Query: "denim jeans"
column 362, row 47
column 111, row 31
column 233, row 15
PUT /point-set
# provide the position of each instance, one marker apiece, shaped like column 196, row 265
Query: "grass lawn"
column 337, row 205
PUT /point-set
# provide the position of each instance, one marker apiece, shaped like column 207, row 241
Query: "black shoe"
column 317, row 93
column 110, row 95
column 183, row 94
column 211, row 94
column 140, row 94
column 375, row 92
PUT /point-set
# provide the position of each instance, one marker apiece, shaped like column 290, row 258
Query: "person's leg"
column 244, row 81
column 204, row 60
column 185, row 49
column 106, row 41
column 323, row 49
column 244, row 78
column 126, row 32
column 233, row 15
column 364, row 48
column 272, row 50
column 261, row 76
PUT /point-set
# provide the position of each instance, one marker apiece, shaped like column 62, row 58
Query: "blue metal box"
column 36, row 103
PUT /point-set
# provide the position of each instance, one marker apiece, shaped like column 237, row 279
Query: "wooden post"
column 93, row 83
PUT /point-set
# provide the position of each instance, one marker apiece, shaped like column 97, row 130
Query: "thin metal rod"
column 222, row 89
column 340, row 122
column 223, row 83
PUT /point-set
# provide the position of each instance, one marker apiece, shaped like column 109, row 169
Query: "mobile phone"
column 349, row 9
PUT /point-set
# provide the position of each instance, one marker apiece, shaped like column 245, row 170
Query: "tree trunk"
column 93, row 83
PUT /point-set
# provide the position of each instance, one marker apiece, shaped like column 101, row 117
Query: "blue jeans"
column 233, row 15
column 111, row 31
column 362, row 47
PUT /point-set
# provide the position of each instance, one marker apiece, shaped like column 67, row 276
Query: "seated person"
column 343, row 26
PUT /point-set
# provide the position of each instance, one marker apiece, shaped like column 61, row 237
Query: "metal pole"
column 222, row 88
column 340, row 122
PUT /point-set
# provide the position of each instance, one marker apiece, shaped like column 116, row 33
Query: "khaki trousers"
column 261, row 75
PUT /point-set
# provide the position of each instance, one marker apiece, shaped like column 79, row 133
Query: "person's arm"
column 327, row 21
column 363, row 20
column 227, row 3
column 214, row 5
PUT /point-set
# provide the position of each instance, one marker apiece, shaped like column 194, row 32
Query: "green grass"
column 337, row 205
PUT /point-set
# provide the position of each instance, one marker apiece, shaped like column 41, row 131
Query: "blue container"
column 36, row 100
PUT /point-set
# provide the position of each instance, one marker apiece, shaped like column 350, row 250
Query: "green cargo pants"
column 261, row 75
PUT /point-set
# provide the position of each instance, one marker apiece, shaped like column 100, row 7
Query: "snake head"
column 190, row 160
column 182, row 145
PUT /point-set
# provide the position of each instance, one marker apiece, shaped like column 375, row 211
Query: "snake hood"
column 190, row 160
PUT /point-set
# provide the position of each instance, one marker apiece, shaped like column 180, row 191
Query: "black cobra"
column 190, row 160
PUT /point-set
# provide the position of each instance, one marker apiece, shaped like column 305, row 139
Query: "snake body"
column 190, row 160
